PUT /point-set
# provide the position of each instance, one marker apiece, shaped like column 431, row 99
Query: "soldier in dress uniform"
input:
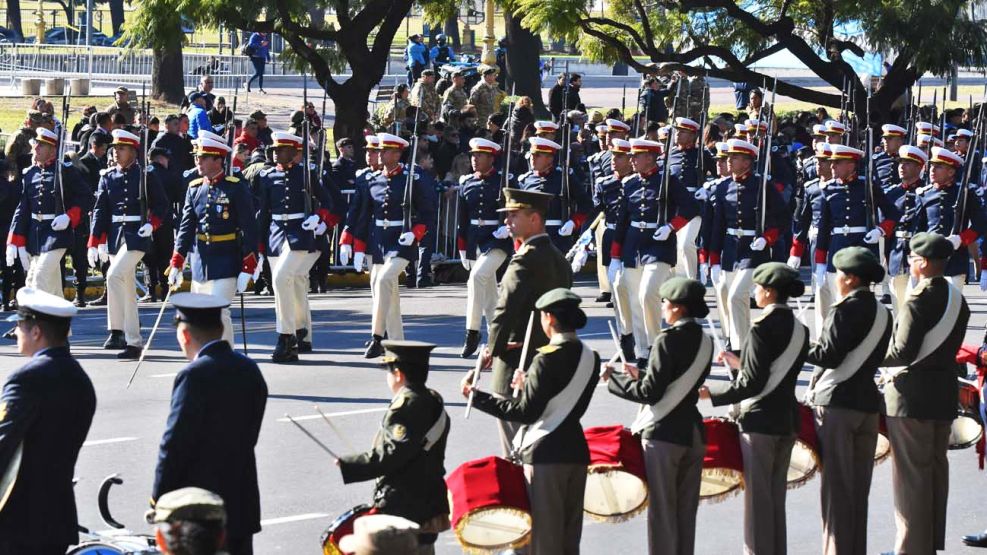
column 600, row 167
column 911, row 162
column 705, row 195
column 645, row 237
column 363, row 176
column 809, row 166
column 740, row 236
column 291, row 218
column 962, row 147
column 670, row 426
column 217, row 405
column 834, row 131
column 53, row 199
column 482, row 239
column 940, row 205
column 845, row 399
column 921, row 395
column 389, row 220
column 886, row 162
column 218, row 231
column 807, row 218
column 683, row 162
column 46, row 408
column 554, row 395
column 570, row 203
column 408, row 455
column 130, row 205
column 764, row 389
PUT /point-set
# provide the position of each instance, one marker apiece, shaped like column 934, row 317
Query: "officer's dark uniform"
column 217, row 405
column 408, row 455
column 13, row 275
column 46, row 406
column 886, row 169
column 163, row 239
column 844, row 219
column 180, row 148
column 600, row 165
column 573, row 204
column 936, row 213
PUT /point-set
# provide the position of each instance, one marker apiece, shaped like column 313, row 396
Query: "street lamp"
column 489, row 56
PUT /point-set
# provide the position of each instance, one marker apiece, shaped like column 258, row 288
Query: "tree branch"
column 646, row 26
column 763, row 53
column 635, row 36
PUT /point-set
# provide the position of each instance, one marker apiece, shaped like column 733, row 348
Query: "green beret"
column 931, row 245
column 780, row 277
column 188, row 504
column 687, row 292
column 859, row 261
column 558, row 298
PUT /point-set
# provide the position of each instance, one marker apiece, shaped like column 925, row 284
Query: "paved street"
column 300, row 489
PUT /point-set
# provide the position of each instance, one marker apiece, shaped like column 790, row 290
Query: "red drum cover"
column 723, row 464
column 342, row 526
column 617, row 484
column 493, row 494
column 615, row 446
column 805, row 455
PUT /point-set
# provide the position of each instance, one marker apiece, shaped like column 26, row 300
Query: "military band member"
column 683, row 163
column 738, row 241
column 705, row 195
column 571, row 202
column 834, row 131
column 408, row 455
column 921, row 395
column 555, row 393
column 53, row 199
column 911, row 163
column 46, row 408
column 669, row 424
column 482, row 238
column 129, row 207
column 845, row 399
column 764, row 388
column 388, row 221
column 808, row 216
column 939, row 206
column 217, row 233
column 893, row 137
column 217, row 405
column 290, row 218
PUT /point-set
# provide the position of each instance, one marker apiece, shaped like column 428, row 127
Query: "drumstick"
column 616, row 341
column 310, row 436
column 335, row 429
column 524, row 348
column 476, row 379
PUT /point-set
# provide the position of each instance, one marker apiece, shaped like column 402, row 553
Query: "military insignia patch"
column 548, row 349
column 398, row 432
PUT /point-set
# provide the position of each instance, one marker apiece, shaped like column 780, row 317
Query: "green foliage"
column 329, row 52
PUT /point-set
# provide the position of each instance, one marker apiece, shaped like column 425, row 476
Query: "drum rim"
column 802, row 480
column 623, row 517
column 520, row 542
column 971, row 443
column 725, row 472
column 361, row 508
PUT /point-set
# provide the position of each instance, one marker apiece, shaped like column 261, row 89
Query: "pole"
column 150, row 337
column 476, row 378
column 524, row 348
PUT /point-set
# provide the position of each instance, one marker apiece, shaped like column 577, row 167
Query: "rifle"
column 231, row 131
column 843, row 101
column 637, row 113
column 307, row 174
column 507, row 141
column 762, row 221
column 700, row 163
column 667, row 170
column 142, row 187
column 323, row 139
column 869, row 170
column 60, row 154
column 623, row 102
column 913, row 132
column 566, row 134
column 408, row 204
column 959, row 209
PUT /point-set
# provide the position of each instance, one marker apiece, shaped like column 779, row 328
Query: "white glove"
column 567, row 228
column 259, row 268
column 345, row 254
column 794, row 262
column 145, row 230
column 25, row 257
column 955, row 240
column 60, row 222
column 502, row 232
column 579, row 260
column 874, row 236
column 406, row 239
column 465, row 261
column 358, row 259
column 92, row 253
column 311, row 222
column 389, row 255
column 175, row 277
column 983, row 280
column 614, row 269
column 662, row 233
column 759, row 244
column 104, row 252
column 813, row 233
column 820, row 272
column 714, row 273
column 321, row 228
column 242, row 281
column 702, row 194
column 11, row 254
column 704, row 273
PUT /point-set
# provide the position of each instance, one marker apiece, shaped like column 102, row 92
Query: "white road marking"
column 171, row 375
column 332, row 414
column 108, row 441
column 296, row 518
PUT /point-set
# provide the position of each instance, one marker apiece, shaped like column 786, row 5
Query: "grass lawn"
column 13, row 110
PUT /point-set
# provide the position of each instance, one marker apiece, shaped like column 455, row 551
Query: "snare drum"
column 616, row 484
column 967, row 428
column 723, row 464
column 805, row 454
column 341, row 526
column 490, row 509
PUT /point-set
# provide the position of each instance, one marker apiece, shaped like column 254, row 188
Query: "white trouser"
column 652, row 276
column 899, row 291
column 121, row 295
column 601, row 268
column 825, row 296
column 685, row 245
column 45, row 272
column 387, row 300
column 225, row 288
column 733, row 292
column 291, row 297
column 626, row 291
column 957, row 281
column 481, row 288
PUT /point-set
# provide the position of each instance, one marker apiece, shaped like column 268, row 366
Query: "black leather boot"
column 101, row 301
column 286, row 349
column 303, row 346
column 471, row 343
column 115, row 341
column 375, row 349
column 129, row 352
column 80, row 297
column 604, row 297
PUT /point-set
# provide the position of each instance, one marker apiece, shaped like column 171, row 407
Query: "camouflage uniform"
column 487, row 99
column 430, row 102
column 389, row 112
column 453, row 99
column 19, row 149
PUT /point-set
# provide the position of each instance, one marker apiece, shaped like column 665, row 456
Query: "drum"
column 616, row 484
column 723, row 464
column 967, row 428
column 805, row 454
column 883, row 448
column 341, row 526
column 123, row 545
column 490, row 509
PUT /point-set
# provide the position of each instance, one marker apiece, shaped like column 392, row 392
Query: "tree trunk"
column 351, row 116
column 14, row 17
column 116, row 15
column 451, row 30
column 167, row 81
column 522, row 63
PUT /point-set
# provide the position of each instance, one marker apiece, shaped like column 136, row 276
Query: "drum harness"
column 934, row 338
column 780, row 366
